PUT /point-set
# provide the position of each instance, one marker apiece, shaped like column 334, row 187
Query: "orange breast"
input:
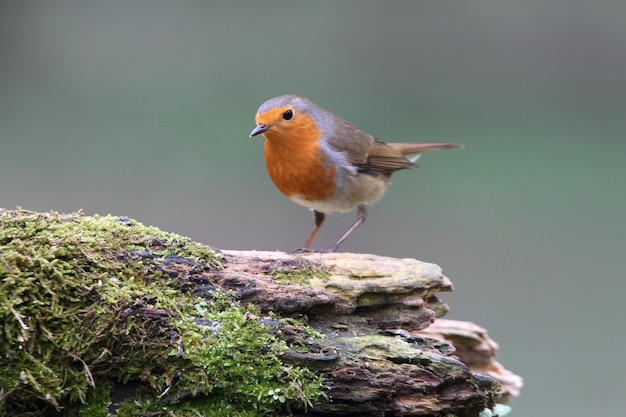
column 299, row 168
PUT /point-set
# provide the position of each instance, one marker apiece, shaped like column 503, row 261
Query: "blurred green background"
column 143, row 109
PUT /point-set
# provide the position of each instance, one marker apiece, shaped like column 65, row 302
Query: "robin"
column 322, row 162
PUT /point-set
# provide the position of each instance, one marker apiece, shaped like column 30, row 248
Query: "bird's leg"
column 319, row 219
column 360, row 219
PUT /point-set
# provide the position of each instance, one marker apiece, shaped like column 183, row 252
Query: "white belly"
column 354, row 190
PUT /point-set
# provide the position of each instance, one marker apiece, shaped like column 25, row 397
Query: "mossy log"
column 103, row 315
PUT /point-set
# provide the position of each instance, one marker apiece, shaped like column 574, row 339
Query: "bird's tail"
column 412, row 151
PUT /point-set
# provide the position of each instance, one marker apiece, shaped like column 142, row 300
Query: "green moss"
column 301, row 274
column 195, row 407
column 88, row 302
column 96, row 404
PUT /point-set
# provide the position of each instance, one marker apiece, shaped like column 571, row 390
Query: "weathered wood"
column 381, row 291
column 371, row 309
column 476, row 350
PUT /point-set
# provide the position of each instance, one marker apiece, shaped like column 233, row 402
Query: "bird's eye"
column 288, row 115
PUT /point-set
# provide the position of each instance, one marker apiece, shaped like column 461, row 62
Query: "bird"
column 322, row 162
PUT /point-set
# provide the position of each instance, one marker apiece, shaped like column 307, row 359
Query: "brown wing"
column 365, row 152
column 382, row 157
column 371, row 155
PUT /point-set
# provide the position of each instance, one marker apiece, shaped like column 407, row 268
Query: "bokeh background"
column 143, row 109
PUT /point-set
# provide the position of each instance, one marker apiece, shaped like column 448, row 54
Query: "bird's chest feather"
column 300, row 170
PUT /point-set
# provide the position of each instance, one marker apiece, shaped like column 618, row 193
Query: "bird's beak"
column 260, row 129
